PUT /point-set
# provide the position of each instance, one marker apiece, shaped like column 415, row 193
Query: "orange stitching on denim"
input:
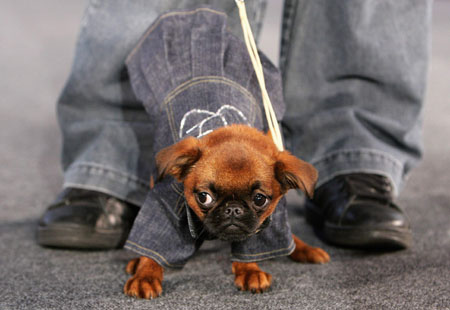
column 148, row 250
column 266, row 253
column 208, row 78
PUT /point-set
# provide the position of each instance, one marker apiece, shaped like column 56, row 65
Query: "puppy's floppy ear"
column 292, row 172
column 177, row 159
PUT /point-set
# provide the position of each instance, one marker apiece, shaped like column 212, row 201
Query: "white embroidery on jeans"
column 207, row 116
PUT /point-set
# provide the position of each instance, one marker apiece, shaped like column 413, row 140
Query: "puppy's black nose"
column 233, row 211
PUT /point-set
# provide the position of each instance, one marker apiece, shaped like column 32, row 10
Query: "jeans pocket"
column 203, row 104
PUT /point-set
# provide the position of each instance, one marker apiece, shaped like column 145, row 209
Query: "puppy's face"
column 234, row 178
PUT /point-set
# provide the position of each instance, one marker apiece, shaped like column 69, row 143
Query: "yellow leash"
column 253, row 52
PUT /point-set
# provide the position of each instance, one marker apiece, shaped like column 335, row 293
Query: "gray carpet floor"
column 36, row 50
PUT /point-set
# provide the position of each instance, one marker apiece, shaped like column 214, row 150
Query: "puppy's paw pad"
column 310, row 255
column 141, row 287
column 254, row 281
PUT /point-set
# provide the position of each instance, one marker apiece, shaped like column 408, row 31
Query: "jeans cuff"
column 100, row 178
column 360, row 161
column 157, row 257
column 257, row 257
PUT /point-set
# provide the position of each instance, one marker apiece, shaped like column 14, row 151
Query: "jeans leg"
column 354, row 81
column 107, row 135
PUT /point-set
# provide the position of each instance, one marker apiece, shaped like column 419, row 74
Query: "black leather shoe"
column 85, row 219
column 356, row 210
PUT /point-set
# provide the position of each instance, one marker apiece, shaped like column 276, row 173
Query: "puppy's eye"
column 204, row 198
column 260, row 200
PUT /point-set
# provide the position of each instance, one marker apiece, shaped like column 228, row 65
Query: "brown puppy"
column 233, row 179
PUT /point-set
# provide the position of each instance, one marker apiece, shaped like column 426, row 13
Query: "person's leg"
column 107, row 135
column 354, row 74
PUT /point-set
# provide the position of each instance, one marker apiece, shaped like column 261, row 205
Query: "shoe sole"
column 376, row 239
column 370, row 238
column 79, row 237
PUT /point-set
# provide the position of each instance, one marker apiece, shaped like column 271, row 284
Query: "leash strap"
column 253, row 52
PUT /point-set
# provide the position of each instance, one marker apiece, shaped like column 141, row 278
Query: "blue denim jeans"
column 354, row 81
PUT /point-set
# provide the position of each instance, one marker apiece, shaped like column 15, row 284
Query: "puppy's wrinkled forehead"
column 236, row 166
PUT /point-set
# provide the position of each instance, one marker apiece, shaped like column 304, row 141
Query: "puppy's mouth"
column 233, row 231
column 232, row 222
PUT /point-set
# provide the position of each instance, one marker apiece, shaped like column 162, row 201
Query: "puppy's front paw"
column 305, row 253
column 248, row 277
column 146, row 281
column 143, row 287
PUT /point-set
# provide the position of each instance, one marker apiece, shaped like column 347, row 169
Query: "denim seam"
column 110, row 121
column 103, row 169
column 169, row 14
column 207, row 78
column 263, row 255
column 289, row 12
column 146, row 251
column 176, row 189
column 179, row 205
